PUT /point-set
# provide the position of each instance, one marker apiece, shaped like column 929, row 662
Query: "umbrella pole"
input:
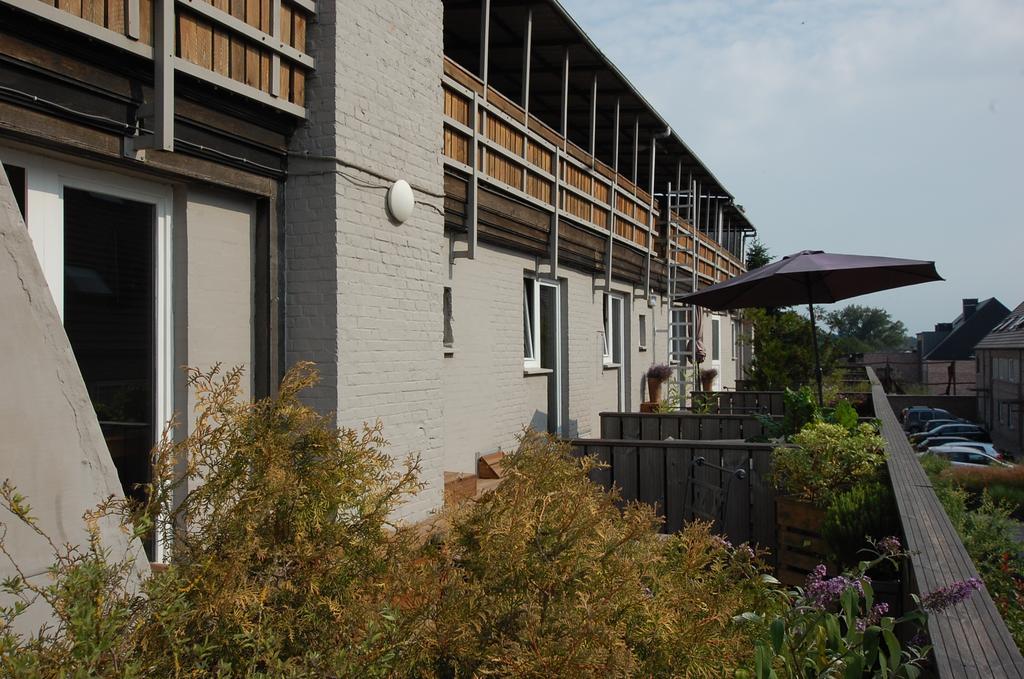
column 817, row 361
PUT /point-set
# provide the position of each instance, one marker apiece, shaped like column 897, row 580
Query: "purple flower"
column 873, row 617
column 950, row 595
column 889, row 546
column 824, row 591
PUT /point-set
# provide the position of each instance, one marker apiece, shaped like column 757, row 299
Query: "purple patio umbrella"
column 810, row 277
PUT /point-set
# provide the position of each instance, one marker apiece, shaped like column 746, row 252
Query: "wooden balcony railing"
column 714, row 262
column 253, row 47
column 493, row 138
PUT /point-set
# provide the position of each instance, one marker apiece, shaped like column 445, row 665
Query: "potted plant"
column 822, row 461
column 656, row 376
column 707, row 378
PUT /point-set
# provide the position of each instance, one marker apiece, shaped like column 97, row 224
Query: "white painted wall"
column 486, row 395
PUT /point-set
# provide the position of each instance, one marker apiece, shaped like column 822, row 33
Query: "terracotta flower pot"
column 654, row 389
column 707, row 383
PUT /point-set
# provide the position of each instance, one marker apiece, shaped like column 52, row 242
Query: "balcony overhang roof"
column 554, row 34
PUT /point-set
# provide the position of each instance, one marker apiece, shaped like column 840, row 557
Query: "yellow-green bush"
column 827, row 459
column 285, row 563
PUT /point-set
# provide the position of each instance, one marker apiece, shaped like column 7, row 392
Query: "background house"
column 1000, row 367
column 947, row 353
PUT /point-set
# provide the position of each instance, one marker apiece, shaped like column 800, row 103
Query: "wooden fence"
column 971, row 639
column 720, row 481
column 679, row 425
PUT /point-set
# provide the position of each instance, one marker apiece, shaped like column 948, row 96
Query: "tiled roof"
column 959, row 344
column 1009, row 334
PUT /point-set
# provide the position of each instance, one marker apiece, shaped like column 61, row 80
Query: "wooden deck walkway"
column 971, row 639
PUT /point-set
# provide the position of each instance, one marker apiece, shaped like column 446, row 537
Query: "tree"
column 757, row 255
column 783, row 354
column 862, row 328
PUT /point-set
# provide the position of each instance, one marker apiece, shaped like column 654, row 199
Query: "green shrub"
column 286, row 563
column 856, row 517
column 827, row 459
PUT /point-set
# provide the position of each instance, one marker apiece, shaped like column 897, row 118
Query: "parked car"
column 916, row 417
column 965, row 429
column 933, row 441
column 968, row 457
column 980, row 446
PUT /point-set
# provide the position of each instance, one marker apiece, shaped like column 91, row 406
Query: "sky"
column 885, row 128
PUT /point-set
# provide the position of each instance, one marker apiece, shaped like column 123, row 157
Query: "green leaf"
column 778, row 632
column 855, row 668
column 893, row 645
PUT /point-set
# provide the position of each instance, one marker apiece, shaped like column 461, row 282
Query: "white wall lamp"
column 400, row 201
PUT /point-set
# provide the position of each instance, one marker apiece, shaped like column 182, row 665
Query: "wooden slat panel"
column 456, row 106
column 538, row 187
column 456, row 145
column 252, row 53
column 299, row 86
column 299, row 31
column 286, row 81
column 115, row 16
column 504, row 170
column 146, row 21
column 237, row 44
column 195, row 40
column 540, row 157
column 286, row 24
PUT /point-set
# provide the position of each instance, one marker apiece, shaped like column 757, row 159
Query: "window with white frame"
column 540, row 324
column 103, row 241
column 643, row 332
column 613, row 329
column 531, row 324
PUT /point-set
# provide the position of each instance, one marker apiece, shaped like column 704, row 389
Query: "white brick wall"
column 363, row 295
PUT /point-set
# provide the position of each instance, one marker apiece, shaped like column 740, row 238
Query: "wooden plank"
column 299, row 86
column 738, row 497
column 115, row 16
column 689, row 428
column 71, row 6
column 222, row 52
column 299, row 31
column 677, row 485
column 146, row 21
column 625, row 470
column 631, row 427
column 93, row 10
column 650, row 427
column 651, row 477
column 237, row 43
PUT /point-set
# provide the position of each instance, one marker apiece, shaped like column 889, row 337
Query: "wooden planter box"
column 801, row 546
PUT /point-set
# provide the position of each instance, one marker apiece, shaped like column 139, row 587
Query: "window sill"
column 527, row 372
column 611, row 366
column 642, row 348
column 449, row 352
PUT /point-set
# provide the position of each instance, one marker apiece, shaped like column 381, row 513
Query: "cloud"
column 878, row 127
